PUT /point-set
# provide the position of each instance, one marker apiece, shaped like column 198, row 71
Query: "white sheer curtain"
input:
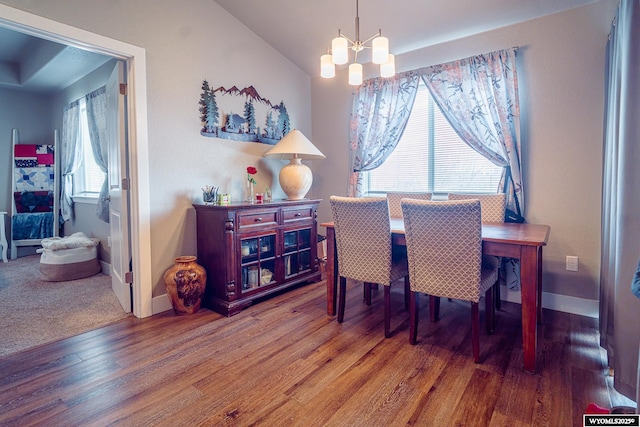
column 479, row 97
column 71, row 156
column 97, row 120
column 619, row 308
column 381, row 109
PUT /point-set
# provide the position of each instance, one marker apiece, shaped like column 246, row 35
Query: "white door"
column 118, row 193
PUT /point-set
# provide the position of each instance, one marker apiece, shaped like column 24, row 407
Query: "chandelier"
column 340, row 55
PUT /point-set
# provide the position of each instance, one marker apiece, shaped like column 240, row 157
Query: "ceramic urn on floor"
column 185, row 282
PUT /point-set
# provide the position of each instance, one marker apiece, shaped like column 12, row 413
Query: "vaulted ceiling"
column 302, row 30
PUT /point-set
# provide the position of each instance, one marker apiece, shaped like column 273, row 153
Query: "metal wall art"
column 230, row 125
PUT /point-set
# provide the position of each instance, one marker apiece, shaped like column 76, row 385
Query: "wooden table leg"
column 529, row 271
column 332, row 272
column 539, row 285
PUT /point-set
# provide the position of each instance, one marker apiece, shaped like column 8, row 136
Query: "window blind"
column 431, row 157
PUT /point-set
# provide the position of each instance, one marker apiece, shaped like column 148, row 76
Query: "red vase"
column 185, row 283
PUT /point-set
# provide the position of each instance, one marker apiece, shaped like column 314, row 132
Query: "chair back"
column 444, row 247
column 395, row 210
column 363, row 238
column 493, row 205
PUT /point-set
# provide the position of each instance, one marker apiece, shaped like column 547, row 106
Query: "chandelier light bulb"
column 339, row 49
column 380, row 48
column 388, row 69
column 355, row 74
column 327, row 67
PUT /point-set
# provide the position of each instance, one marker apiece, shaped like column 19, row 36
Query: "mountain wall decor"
column 242, row 127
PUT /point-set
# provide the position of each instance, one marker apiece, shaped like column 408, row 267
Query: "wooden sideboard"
column 253, row 250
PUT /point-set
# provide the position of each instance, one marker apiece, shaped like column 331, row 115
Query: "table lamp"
column 295, row 178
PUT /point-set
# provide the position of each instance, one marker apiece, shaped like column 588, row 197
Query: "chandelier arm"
column 348, row 39
column 378, row 34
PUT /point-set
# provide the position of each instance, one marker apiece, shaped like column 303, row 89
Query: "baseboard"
column 160, row 303
column 106, row 267
column 564, row 303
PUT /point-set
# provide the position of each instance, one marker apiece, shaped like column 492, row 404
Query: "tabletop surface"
column 507, row 232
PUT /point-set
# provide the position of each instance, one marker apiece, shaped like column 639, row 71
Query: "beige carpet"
column 33, row 312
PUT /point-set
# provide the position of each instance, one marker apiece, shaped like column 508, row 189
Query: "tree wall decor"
column 246, row 127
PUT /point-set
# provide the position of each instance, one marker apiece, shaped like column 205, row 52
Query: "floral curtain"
column 71, row 156
column 620, row 243
column 381, row 109
column 479, row 98
column 97, row 121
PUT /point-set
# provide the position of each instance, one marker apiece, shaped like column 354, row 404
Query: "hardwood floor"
column 285, row 362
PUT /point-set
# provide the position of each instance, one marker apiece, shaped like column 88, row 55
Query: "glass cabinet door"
column 297, row 252
column 258, row 261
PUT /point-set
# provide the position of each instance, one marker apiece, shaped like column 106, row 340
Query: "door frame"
column 138, row 149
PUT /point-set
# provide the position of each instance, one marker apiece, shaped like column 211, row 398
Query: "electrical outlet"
column 572, row 263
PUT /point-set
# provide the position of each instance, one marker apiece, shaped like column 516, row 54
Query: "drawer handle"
column 259, row 219
column 298, row 214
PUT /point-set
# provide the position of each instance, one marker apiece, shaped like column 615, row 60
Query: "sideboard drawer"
column 305, row 212
column 253, row 219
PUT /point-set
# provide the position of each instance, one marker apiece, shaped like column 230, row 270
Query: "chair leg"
column 413, row 317
column 434, row 308
column 407, row 291
column 490, row 309
column 502, row 278
column 387, row 311
column 475, row 331
column 367, row 293
column 342, row 298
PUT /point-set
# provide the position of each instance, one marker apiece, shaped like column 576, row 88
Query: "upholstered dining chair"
column 365, row 253
column 493, row 210
column 444, row 250
column 394, row 197
column 493, row 205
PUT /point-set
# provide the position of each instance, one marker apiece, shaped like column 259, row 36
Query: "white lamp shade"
column 388, row 69
column 355, row 74
column 294, row 144
column 327, row 67
column 339, row 50
column 380, row 50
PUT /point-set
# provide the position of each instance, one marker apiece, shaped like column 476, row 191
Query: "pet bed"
column 68, row 258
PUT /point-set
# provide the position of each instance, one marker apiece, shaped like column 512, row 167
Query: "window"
column 88, row 179
column 431, row 157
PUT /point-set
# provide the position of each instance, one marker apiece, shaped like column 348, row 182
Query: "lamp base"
column 295, row 179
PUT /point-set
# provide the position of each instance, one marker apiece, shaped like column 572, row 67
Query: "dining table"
column 521, row 241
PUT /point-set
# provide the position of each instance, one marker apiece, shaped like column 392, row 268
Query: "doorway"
column 137, row 136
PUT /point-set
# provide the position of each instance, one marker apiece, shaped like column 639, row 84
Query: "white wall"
column 186, row 42
column 561, row 81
